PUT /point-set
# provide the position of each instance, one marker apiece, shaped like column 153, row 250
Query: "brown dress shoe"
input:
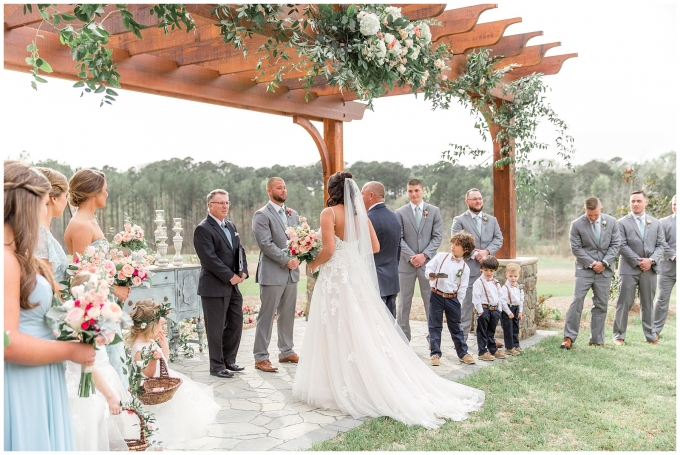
column 619, row 342
column 656, row 336
column 566, row 344
column 595, row 344
column 266, row 366
column 653, row 342
column 499, row 344
column 293, row 358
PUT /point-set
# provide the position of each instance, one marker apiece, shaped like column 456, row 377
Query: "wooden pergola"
column 199, row 66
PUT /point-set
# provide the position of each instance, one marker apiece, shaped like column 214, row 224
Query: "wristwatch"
column 653, row 261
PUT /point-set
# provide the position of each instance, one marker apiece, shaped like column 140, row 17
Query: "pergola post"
column 332, row 136
column 504, row 198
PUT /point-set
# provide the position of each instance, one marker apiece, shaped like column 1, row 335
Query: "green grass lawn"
column 550, row 399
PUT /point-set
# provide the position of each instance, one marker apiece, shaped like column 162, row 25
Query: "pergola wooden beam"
column 482, row 35
column 459, row 20
column 511, row 45
column 548, row 66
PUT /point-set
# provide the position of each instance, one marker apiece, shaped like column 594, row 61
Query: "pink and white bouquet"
column 131, row 237
column 90, row 316
column 303, row 243
column 131, row 269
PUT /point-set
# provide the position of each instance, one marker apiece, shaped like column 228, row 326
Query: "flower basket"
column 141, row 444
column 167, row 385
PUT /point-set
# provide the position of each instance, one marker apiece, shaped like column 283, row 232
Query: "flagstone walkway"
column 260, row 413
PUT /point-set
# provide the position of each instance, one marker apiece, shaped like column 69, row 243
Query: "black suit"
column 222, row 301
column 388, row 230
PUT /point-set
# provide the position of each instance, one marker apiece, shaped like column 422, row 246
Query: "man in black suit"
column 388, row 230
column 223, row 267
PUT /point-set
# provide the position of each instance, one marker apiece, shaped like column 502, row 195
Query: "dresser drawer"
column 161, row 277
column 160, row 294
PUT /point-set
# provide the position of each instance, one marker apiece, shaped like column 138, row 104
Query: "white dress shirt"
column 220, row 222
column 492, row 290
column 516, row 297
column 369, row 209
column 451, row 267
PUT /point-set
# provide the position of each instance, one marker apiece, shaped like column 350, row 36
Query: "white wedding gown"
column 355, row 358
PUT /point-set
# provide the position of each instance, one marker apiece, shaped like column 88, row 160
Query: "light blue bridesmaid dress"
column 48, row 248
column 37, row 414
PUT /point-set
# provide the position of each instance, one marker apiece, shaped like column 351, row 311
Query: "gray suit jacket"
column 491, row 238
column 271, row 238
column 587, row 250
column 633, row 246
column 666, row 266
column 425, row 240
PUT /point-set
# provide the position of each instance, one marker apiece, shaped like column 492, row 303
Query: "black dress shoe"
column 234, row 367
column 222, row 374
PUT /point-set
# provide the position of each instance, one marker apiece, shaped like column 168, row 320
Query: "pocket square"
column 236, row 234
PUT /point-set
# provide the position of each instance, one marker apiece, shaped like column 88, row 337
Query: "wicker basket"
column 164, row 381
column 141, row 444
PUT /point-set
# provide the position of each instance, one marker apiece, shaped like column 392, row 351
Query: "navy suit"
column 388, row 230
column 222, row 302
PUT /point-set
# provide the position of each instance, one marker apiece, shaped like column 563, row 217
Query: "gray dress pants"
column 664, row 285
column 279, row 299
column 407, row 281
column 646, row 283
column 600, row 286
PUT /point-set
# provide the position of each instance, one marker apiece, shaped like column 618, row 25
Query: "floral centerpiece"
column 131, row 269
column 89, row 316
column 304, row 243
column 131, row 237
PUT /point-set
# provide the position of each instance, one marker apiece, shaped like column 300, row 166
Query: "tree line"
column 179, row 187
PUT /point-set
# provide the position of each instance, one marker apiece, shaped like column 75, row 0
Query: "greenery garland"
column 366, row 49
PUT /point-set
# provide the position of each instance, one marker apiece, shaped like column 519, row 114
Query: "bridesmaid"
column 36, row 411
column 49, row 249
column 88, row 192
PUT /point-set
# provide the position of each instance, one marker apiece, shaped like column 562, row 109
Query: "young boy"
column 447, row 293
column 486, row 299
column 512, row 296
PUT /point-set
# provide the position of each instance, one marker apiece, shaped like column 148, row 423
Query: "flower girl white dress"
column 187, row 414
column 94, row 428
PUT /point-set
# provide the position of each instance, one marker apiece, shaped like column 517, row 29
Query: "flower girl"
column 187, row 414
column 97, row 424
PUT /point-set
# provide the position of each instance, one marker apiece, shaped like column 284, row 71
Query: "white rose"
column 396, row 48
column 401, row 68
column 93, row 313
column 361, row 15
column 111, row 312
column 408, row 43
column 74, row 317
column 439, row 63
column 369, row 25
column 380, row 50
column 90, row 250
column 425, row 32
column 415, row 53
column 394, row 11
column 93, row 279
column 141, row 252
column 69, row 304
column 389, row 38
column 77, row 291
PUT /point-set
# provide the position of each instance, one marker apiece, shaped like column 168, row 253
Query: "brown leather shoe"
column 293, row 358
column 499, row 344
column 653, row 342
column 595, row 344
column 619, row 342
column 266, row 366
column 566, row 344
column 656, row 336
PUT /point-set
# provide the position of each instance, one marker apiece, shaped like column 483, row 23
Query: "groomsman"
column 421, row 226
column 388, row 230
column 642, row 247
column 277, row 275
column 223, row 267
column 594, row 240
column 488, row 240
column 666, row 277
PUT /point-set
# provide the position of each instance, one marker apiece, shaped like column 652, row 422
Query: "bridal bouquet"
column 131, row 269
column 89, row 316
column 131, row 237
column 303, row 243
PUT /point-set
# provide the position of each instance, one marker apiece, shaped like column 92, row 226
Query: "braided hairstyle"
column 25, row 189
column 84, row 184
column 336, row 188
column 144, row 310
column 57, row 180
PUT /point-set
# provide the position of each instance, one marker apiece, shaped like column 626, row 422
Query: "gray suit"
column 588, row 250
column 491, row 238
column 424, row 240
column 633, row 246
column 278, row 284
column 666, row 277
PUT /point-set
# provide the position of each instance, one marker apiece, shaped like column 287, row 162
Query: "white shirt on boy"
column 451, row 266
column 492, row 290
column 516, row 296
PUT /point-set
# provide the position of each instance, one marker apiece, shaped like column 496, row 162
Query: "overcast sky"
column 619, row 97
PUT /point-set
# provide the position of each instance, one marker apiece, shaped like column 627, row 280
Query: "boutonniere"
column 459, row 274
column 604, row 224
column 289, row 212
column 520, row 286
column 425, row 213
column 485, row 218
column 236, row 234
column 649, row 222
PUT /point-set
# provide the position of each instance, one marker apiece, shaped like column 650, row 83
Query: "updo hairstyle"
column 57, row 181
column 336, row 188
column 84, row 184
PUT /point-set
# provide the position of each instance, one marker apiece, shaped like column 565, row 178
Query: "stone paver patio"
column 260, row 413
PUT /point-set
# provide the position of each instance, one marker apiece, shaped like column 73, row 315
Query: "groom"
column 388, row 230
column 277, row 275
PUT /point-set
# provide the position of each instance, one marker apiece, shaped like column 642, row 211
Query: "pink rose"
column 110, row 267
column 136, row 281
column 84, row 325
column 127, row 270
column 112, row 312
column 416, row 31
column 74, row 316
column 100, row 340
column 121, row 276
column 90, row 250
column 142, row 275
column 127, row 237
column 118, row 238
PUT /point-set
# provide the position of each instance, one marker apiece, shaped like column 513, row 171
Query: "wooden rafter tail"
column 482, row 35
column 531, row 55
column 510, row 45
column 419, row 11
column 459, row 20
column 548, row 66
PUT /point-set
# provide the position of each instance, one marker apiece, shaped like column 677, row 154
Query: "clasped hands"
column 417, row 259
column 645, row 264
column 597, row 266
column 293, row 263
column 481, row 254
column 236, row 279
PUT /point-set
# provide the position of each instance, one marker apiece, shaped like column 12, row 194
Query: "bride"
column 354, row 357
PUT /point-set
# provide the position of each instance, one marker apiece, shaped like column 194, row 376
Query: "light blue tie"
column 282, row 215
column 419, row 217
column 227, row 233
column 478, row 222
column 641, row 225
column 596, row 231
